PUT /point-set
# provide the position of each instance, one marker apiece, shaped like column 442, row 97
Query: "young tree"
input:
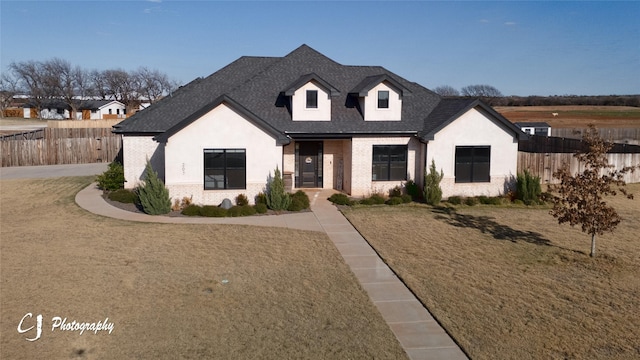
column 277, row 197
column 580, row 198
column 432, row 189
column 154, row 196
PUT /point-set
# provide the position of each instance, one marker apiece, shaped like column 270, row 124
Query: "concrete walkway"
column 419, row 334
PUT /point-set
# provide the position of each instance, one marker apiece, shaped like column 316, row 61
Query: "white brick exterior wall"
column 135, row 152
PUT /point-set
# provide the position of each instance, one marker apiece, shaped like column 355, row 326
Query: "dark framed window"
column 312, row 99
column 389, row 163
column 383, row 99
column 225, row 169
column 472, row 164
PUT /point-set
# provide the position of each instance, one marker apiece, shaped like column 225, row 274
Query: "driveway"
column 50, row 171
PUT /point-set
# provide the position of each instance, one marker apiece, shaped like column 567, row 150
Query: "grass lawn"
column 510, row 283
column 173, row 291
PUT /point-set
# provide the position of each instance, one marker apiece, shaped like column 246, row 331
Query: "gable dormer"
column 380, row 98
column 310, row 98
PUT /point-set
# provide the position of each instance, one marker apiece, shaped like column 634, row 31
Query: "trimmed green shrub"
column 340, row 199
column 471, row 201
column 192, row 210
column 494, row 200
column 518, row 202
column 528, row 188
column 260, row 208
column 395, row 192
column 395, row 200
column 113, row 178
column 247, row 210
column 432, row 189
column 454, row 200
column 154, row 196
column 413, row 190
column 124, row 196
column 213, row 211
column 234, row 211
column 261, row 198
column 301, row 197
column 241, row 200
column 277, row 197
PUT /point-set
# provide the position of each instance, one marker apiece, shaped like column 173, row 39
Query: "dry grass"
column 575, row 116
column 510, row 283
column 288, row 295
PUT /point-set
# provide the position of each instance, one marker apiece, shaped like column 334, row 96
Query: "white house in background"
column 535, row 128
column 101, row 109
column 53, row 109
column 357, row 129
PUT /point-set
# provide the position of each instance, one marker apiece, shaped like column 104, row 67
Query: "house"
column 358, row 129
column 535, row 128
column 56, row 109
column 101, row 109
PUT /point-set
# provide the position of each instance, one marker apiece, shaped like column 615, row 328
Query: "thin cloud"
column 154, row 1
column 510, row 23
column 484, row 21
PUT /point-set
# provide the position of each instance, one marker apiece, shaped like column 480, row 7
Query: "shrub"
column 406, row 198
column 277, row 197
column 495, row 200
column 181, row 204
column 261, row 198
column 432, row 189
column 192, row 210
column 528, row 188
column 395, row 200
column 518, row 202
column 302, row 197
column 247, row 210
column 471, row 201
column 213, row 211
column 377, row 199
column 454, row 200
column 412, row 190
column 124, row 196
column 154, row 196
column 395, row 192
column 296, row 205
column 234, row 211
column 241, row 200
column 113, row 178
column 483, row 199
column 260, row 208
column 340, row 199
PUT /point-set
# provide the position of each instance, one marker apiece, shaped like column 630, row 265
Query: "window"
column 225, row 169
column 109, row 111
column 312, row 99
column 472, row 164
column 389, row 163
column 383, row 99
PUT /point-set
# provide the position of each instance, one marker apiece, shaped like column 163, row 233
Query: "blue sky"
column 521, row 48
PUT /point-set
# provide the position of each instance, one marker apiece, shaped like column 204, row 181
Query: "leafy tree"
column 432, row 189
column 580, row 198
column 277, row 197
column 154, row 196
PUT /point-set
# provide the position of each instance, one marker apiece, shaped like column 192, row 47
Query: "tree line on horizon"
column 494, row 97
column 60, row 80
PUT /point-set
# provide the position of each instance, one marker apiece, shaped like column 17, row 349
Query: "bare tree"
column 63, row 79
column 580, row 198
column 98, row 84
column 446, row 90
column 152, row 84
column 31, row 76
column 486, row 91
column 121, row 86
column 8, row 88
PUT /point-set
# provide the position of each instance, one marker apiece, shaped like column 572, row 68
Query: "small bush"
column 260, row 208
column 528, row 188
column 241, row 200
column 113, row 178
column 213, row 211
column 340, row 199
column 495, row 200
column 483, row 199
column 124, row 196
column 518, row 202
column 153, row 195
column 302, row 198
column 377, row 199
column 432, row 189
column 234, row 211
column 395, row 192
column 406, row 198
column 261, row 198
column 247, row 210
column 396, row 200
column 192, row 210
column 454, row 200
column 178, row 204
column 471, row 201
column 277, row 197
column 413, row 190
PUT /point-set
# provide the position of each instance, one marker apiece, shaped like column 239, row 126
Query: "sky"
column 521, row 48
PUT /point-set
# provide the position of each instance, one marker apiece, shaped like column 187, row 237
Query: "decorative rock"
column 226, row 204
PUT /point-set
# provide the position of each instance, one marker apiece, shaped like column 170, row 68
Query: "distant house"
column 55, row 109
column 357, row 129
column 535, row 128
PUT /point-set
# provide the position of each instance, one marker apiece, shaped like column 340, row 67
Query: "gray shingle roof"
column 257, row 84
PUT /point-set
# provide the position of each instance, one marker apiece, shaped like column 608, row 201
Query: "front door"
column 309, row 174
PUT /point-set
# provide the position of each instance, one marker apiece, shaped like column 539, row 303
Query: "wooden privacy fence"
column 617, row 135
column 545, row 164
column 69, row 124
column 62, row 146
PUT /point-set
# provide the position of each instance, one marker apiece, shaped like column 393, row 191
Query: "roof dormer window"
column 383, row 99
column 312, row 99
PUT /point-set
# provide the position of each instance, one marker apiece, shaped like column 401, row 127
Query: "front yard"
column 173, row 291
column 510, row 283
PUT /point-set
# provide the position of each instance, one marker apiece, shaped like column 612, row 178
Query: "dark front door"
column 309, row 164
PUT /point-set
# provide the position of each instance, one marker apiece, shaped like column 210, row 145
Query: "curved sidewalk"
column 419, row 334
